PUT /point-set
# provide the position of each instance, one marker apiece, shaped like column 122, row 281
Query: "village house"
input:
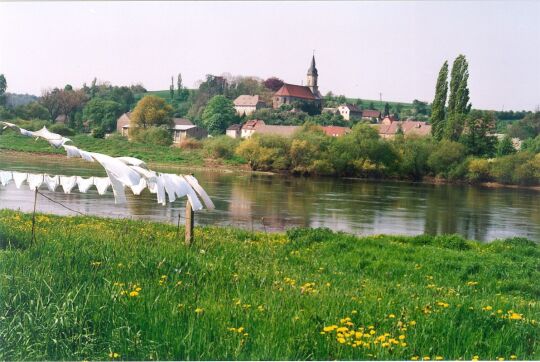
column 246, row 104
column 335, row 131
column 234, row 130
column 371, row 115
column 290, row 93
column 249, row 127
column 283, row 131
column 407, row 128
column 181, row 128
column 349, row 112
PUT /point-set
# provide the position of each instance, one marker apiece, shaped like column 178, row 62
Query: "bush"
column 61, row 129
column 153, row 136
column 98, row 132
column 32, row 125
column 447, row 155
column 478, row 170
column 265, row 152
column 190, row 144
column 220, row 147
column 454, row 241
column 522, row 168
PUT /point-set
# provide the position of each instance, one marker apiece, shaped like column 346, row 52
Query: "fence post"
column 189, row 224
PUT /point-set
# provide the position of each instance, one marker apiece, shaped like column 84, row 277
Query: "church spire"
column 312, row 69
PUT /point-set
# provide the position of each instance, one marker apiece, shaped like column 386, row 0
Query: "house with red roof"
column 335, row 131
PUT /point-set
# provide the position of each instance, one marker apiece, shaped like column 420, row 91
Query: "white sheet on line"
column 137, row 189
column 68, row 183
column 34, row 180
column 102, row 184
column 5, row 177
column 84, row 183
column 52, row 182
column 19, row 178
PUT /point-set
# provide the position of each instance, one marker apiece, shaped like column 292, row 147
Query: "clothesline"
column 121, row 172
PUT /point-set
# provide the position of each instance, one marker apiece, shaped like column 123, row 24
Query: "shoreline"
column 216, row 166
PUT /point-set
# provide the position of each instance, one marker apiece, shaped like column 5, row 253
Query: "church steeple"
column 312, row 77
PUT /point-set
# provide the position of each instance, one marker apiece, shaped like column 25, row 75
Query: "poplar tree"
column 171, row 88
column 439, row 102
column 458, row 100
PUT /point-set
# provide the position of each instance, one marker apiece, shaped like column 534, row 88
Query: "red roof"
column 296, row 91
column 335, row 131
column 371, row 113
column 252, row 124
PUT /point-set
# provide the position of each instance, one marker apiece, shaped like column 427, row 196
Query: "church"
column 290, row 93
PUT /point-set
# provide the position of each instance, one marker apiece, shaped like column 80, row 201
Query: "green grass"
column 68, row 296
column 113, row 147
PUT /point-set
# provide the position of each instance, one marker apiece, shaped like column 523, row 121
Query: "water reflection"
column 276, row 203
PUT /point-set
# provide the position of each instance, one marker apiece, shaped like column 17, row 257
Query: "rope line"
column 59, row 203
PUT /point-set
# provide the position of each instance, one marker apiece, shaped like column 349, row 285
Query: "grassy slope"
column 112, row 147
column 68, row 297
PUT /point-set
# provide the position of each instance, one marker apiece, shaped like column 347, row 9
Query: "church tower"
column 312, row 76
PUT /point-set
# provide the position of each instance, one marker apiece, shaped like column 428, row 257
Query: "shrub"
column 220, row 147
column 454, row 241
column 61, row 129
column 190, row 144
column 154, row 136
column 265, row 152
column 478, row 170
column 521, row 168
column 446, row 156
column 98, row 132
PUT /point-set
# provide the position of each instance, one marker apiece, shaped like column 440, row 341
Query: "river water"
column 276, row 203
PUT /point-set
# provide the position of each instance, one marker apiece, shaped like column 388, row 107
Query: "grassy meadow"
column 115, row 146
column 105, row 289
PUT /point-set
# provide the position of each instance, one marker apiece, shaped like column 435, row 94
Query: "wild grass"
column 116, row 146
column 98, row 289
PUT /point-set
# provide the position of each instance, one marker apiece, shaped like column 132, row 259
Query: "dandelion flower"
column 439, row 358
column 391, row 316
column 114, row 355
column 133, row 293
column 513, row 356
column 426, row 358
column 414, row 358
column 402, row 337
column 199, row 310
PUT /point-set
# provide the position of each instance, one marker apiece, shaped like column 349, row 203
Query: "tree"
column 102, row 113
column 151, row 111
column 60, row 101
column 439, row 103
column 458, row 99
column 171, row 89
column 32, row 110
column 3, row 87
column 273, row 84
column 179, row 84
column 218, row 114
column 528, row 127
column 386, row 109
column 419, row 107
column 505, row 147
column 476, row 136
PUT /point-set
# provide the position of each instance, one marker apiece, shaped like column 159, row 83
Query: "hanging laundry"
column 5, row 177
column 118, row 189
column 138, row 188
column 75, row 152
column 19, row 178
column 84, row 183
column 52, row 182
column 34, row 181
column 195, row 184
column 102, row 184
column 132, row 161
column 54, row 139
column 117, row 169
column 68, row 182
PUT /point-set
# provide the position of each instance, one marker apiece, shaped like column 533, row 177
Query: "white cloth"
column 5, row 177
column 75, row 152
column 52, row 182
column 19, row 178
column 84, row 183
column 68, row 182
column 132, row 161
column 138, row 188
column 156, row 187
column 25, row 132
column 195, row 184
column 102, row 184
column 54, row 139
column 118, row 189
column 177, row 186
column 34, row 180
column 117, row 169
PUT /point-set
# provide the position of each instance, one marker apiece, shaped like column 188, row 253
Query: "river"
column 276, row 203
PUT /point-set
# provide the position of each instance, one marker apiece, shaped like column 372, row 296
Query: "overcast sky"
column 362, row 48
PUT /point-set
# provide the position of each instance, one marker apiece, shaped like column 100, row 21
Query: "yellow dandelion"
column 341, row 340
column 402, row 337
column 414, row 358
column 426, row 358
column 133, row 293
column 391, row 316
column 439, row 358
column 412, row 323
column 513, row 356
column 199, row 310
column 114, row 355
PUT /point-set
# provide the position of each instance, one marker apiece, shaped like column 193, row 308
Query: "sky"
column 362, row 48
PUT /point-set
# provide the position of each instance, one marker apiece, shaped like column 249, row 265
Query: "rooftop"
column 297, row 91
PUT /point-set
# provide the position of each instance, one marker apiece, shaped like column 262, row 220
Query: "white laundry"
column 195, row 184
column 118, row 189
column 170, row 186
column 25, row 132
column 117, row 169
column 52, row 182
column 102, row 184
column 132, row 161
column 138, row 188
column 176, row 186
column 75, row 152
column 68, row 182
column 54, row 139
column 5, row 177
column 34, row 180
column 19, row 178
column 84, row 183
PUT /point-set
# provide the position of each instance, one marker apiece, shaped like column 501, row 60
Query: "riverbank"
column 97, row 289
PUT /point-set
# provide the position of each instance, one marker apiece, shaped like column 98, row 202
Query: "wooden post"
column 189, row 224
column 34, row 218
